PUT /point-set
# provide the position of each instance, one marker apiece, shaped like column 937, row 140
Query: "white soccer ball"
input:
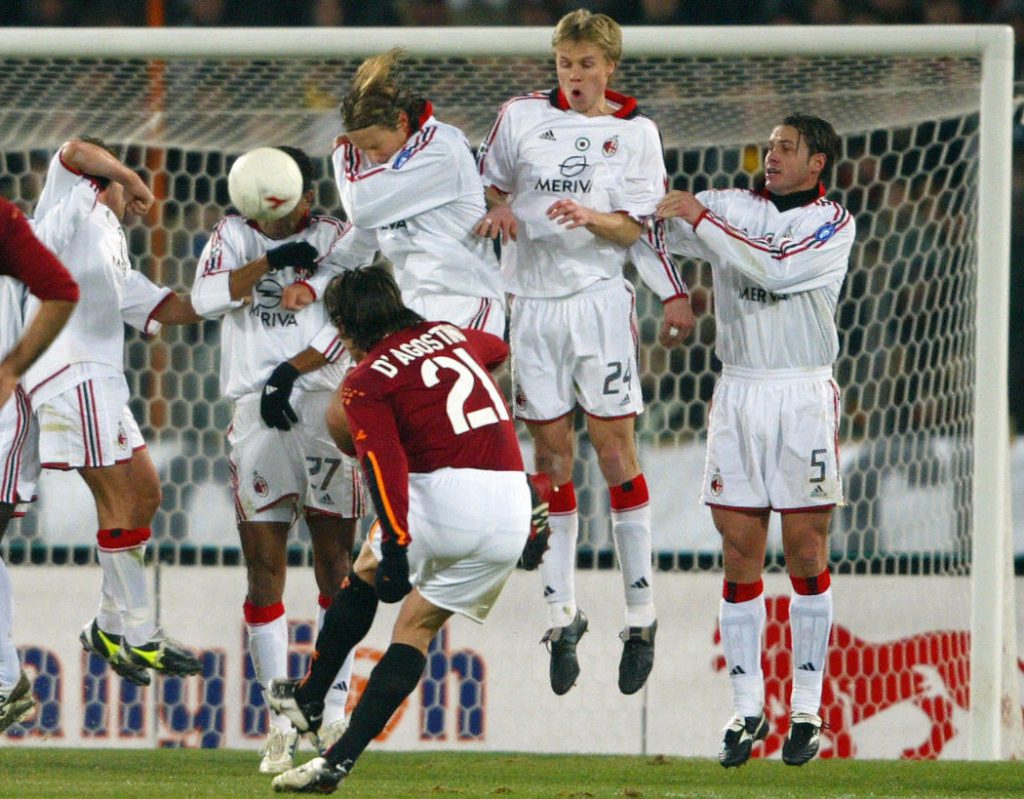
column 265, row 184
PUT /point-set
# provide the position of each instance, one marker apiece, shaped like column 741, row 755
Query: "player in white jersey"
column 410, row 185
column 570, row 175
column 778, row 260
column 25, row 266
column 280, row 367
column 80, row 395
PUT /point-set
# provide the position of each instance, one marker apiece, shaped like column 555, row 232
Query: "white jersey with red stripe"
column 540, row 151
column 256, row 333
column 87, row 236
column 13, row 298
column 421, row 206
column 777, row 276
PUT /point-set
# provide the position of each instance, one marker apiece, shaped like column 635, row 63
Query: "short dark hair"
column 821, row 137
column 366, row 305
column 305, row 165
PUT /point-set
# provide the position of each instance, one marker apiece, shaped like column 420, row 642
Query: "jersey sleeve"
column 496, row 160
column 59, row 223
column 211, row 291
column 650, row 255
column 380, row 454
column 328, row 343
column 645, row 180
column 351, row 248
column 815, row 253
column 25, row 257
column 60, row 179
column 490, row 350
column 142, row 298
column 419, row 177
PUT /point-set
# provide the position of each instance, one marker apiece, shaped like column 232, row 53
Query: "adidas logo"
column 641, row 583
column 548, row 135
column 818, row 492
column 808, row 666
column 736, row 670
column 548, row 590
column 340, row 686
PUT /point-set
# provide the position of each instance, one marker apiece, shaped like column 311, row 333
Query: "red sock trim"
column 631, row 494
column 563, row 499
column 117, row 538
column 324, row 601
column 807, row 586
column 741, row 592
column 262, row 614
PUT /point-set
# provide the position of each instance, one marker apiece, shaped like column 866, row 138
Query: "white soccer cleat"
column 279, row 751
column 16, row 702
column 330, row 734
column 315, row 776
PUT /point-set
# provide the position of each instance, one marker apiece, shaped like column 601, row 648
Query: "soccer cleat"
column 330, row 734
column 314, row 776
column 108, row 646
column 637, row 657
column 162, row 654
column 305, row 716
column 279, row 750
column 803, row 739
column 740, row 735
column 565, row 668
column 537, row 542
column 16, row 702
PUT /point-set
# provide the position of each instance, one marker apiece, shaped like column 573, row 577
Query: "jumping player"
column 280, row 368
column 778, row 259
column 570, row 175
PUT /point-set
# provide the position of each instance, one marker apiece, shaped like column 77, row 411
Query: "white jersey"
column 13, row 298
column 256, row 333
column 421, row 206
column 540, row 151
column 89, row 239
column 777, row 276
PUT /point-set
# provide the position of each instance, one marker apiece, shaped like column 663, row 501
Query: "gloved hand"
column 275, row 408
column 393, row 574
column 300, row 254
column 540, row 530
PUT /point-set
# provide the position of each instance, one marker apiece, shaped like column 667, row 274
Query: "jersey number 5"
column 469, row 374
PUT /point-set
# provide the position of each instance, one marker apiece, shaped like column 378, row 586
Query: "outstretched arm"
column 91, row 159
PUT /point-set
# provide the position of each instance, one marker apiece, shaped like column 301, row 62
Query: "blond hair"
column 379, row 93
column 583, row 26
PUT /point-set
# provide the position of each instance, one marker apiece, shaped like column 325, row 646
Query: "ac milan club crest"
column 717, row 484
column 610, row 147
column 259, row 485
column 122, row 436
column 520, row 398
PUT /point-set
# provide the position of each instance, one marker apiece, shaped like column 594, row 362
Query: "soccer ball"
column 265, row 184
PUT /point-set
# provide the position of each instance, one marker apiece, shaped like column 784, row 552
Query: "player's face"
column 286, row 225
column 788, row 166
column 379, row 142
column 583, row 75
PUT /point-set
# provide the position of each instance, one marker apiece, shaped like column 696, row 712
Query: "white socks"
column 810, row 623
column 742, row 624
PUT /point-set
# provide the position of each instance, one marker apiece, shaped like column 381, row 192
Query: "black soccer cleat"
column 109, row 647
column 740, row 735
column 306, row 717
column 803, row 739
column 637, row 657
column 561, row 641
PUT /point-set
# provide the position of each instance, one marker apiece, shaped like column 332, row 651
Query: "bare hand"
column 499, row 221
column 137, row 197
column 570, row 213
column 677, row 322
column 680, row 204
column 296, row 297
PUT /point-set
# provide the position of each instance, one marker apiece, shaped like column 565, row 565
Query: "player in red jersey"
column 439, row 452
column 25, row 266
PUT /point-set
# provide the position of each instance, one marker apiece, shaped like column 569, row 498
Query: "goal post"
column 925, row 115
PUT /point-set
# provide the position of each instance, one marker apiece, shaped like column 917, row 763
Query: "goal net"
column 922, row 371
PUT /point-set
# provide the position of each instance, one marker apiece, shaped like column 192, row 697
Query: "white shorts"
column 89, row 425
column 580, row 349
column 468, row 529
column 773, row 443
column 19, row 451
column 277, row 472
column 475, row 313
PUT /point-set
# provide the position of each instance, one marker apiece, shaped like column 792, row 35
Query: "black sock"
column 391, row 681
column 346, row 623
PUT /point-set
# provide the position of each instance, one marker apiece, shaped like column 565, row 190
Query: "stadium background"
column 196, row 477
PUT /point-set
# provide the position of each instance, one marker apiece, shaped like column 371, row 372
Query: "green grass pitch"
column 38, row 773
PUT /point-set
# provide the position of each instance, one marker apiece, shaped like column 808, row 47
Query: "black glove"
column 274, row 406
column 393, row 574
column 540, row 530
column 300, row 254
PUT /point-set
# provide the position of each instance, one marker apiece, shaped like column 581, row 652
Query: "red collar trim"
column 428, row 112
column 627, row 104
